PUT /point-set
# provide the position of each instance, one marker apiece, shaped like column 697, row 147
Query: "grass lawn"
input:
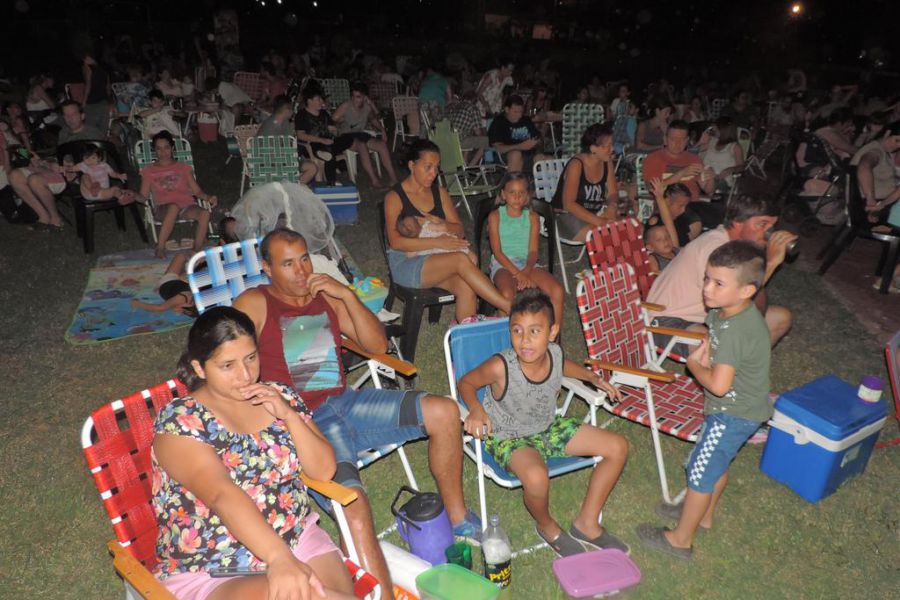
column 768, row 542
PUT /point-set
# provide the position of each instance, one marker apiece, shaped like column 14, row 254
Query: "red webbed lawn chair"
column 617, row 338
column 116, row 440
column 622, row 242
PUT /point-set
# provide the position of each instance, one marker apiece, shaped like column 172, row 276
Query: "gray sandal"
column 655, row 538
column 564, row 544
column 601, row 542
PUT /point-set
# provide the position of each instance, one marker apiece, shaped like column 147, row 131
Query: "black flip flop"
column 654, row 537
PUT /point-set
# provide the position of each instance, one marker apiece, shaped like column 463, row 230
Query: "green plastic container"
column 452, row 582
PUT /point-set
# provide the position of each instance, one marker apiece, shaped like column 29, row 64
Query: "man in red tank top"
column 300, row 318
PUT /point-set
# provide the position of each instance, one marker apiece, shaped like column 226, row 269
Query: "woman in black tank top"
column 587, row 192
column 419, row 195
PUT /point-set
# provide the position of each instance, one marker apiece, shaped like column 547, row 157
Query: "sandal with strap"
column 563, row 544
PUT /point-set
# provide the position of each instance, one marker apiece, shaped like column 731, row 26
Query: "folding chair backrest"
column 404, row 105
column 337, row 91
column 621, row 242
column 716, row 106
column 242, row 134
column 470, row 345
column 609, row 305
column 547, row 174
column 251, row 84
column 116, row 440
column 228, row 270
column 272, row 158
column 382, row 93
column 646, row 203
column 892, row 355
column 576, row 118
column 144, row 154
column 447, row 140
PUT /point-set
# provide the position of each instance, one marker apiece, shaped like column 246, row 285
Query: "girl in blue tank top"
column 514, row 231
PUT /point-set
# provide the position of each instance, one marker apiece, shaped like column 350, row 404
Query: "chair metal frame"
column 243, row 133
column 617, row 338
column 143, row 156
column 119, row 461
column 489, row 338
column 402, row 106
column 547, row 175
column 461, row 181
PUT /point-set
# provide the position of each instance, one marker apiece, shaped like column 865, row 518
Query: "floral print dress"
column 264, row 464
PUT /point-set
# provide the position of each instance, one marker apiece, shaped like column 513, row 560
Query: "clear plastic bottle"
column 497, row 554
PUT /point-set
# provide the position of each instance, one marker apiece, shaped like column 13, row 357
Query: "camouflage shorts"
column 549, row 444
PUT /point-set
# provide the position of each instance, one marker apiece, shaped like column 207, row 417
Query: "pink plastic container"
column 598, row 572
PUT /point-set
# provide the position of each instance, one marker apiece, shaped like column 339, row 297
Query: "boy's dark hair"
column 533, row 301
column 513, row 100
column 155, row 93
column 359, row 86
column 679, row 124
column 743, row 208
column 282, row 233
column 675, row 189
column 71, row 103
column 746, row 258
column 280, row 102
column 650, row 226
column 224, row 235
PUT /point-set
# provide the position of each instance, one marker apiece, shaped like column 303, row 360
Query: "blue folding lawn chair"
column 465, row 348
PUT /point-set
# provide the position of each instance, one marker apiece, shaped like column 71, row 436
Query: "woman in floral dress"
column 226, row 478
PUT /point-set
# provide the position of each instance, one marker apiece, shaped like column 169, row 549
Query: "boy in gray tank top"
column 521, row 430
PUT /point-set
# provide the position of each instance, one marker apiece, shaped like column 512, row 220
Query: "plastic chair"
column 242, row 134
column 251, row 84
column 403, row 106
column 858, row 226
column 144, row 155
column 465, row 348
column 231, row 269
column 85, row 209
column 337, row 91
column 544, row 212
column 415, row 300
column 616, row 335
column 547, row 174
column 576, row 118
column 116, row 440
column 461, row 181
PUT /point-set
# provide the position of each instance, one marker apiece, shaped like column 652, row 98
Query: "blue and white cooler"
column 821, row 436
column 342, row 202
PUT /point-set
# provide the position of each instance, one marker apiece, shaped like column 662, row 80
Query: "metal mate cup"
column 791, row 250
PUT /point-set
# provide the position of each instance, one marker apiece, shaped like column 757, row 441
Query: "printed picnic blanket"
column 105, row 311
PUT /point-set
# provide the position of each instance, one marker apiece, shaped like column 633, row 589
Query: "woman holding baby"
column 426, row 240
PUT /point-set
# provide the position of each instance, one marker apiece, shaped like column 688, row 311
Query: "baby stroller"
column 811, row 211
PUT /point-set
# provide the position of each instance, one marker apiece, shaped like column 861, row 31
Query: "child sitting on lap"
column 427, row 227
column 95, row 178
column 522, row 430
column 733, row 367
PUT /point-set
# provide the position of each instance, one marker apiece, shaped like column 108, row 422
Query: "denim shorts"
column 662, row 341
column 357, row 420
column 406, row 270
column 496, row 266
column 721, row 436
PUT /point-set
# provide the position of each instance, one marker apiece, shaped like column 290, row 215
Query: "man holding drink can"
column 679, row 288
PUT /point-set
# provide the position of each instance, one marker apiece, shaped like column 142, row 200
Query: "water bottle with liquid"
column 497, row 554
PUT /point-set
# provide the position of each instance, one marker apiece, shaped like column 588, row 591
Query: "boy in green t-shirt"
column 733, row 367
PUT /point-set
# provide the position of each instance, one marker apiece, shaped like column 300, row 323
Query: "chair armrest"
column 653, row 307
column 655, row 375
column 330, row 489
column 587, row 393
column 675, row 332
column 136, row 574
column 400, row 366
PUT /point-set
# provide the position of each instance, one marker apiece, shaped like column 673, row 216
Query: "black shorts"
column 345, row 140
column 170, row 289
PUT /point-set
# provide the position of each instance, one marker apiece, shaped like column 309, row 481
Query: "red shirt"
column 301, row 347
column 662, row 164
column 170, row 184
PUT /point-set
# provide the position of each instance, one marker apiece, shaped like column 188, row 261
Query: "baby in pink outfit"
column 95, row 179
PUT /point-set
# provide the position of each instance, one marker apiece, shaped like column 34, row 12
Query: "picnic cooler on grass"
column 207, row 127
column 821, row 436
column 342, row 202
